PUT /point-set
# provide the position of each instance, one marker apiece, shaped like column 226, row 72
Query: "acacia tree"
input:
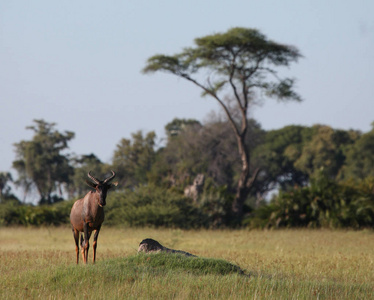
column 238, row 65
column 41, row 163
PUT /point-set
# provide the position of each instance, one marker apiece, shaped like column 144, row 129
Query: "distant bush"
column 15, row 213
column 156, row 206
column 325, row 203
column 147, row 205
column 215, row 205
column 152, row 206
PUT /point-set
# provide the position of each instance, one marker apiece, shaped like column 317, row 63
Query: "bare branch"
column 215, row 96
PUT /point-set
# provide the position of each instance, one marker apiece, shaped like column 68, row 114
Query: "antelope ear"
column 113, row 184
column 91, row 184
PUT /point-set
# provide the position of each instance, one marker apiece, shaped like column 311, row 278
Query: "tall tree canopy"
column 325, row 150
column 5, row 179
column 41, row 163
column 133, row 159
column 277, row 157
column 82, row 165
column 360, row 157
column 235, row 68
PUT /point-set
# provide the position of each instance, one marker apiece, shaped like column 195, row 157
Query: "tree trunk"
column 245, row 181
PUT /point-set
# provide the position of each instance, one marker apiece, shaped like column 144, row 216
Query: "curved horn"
column 110, row 178
column 93, row 178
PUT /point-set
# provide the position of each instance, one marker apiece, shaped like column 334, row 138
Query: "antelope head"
column 101, row 187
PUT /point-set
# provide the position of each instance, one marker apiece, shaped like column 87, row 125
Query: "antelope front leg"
column 95, row 243
column 86, row 243
column 76, row 239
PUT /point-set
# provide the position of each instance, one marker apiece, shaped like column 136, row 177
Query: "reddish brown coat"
column 87, row 215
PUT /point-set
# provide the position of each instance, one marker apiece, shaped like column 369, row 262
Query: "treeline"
column 323, row 177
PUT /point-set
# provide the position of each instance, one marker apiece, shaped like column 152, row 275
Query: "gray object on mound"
column 150, row 245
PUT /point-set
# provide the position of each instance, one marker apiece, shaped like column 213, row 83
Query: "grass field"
column 286, row 264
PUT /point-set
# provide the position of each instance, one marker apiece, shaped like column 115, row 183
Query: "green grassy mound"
column 177, row 262
column 140, row 265
column 144, row 275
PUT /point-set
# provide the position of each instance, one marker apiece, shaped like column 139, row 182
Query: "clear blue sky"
column 78, row 64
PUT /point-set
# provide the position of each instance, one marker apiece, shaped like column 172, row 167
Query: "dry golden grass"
column 289, row 264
